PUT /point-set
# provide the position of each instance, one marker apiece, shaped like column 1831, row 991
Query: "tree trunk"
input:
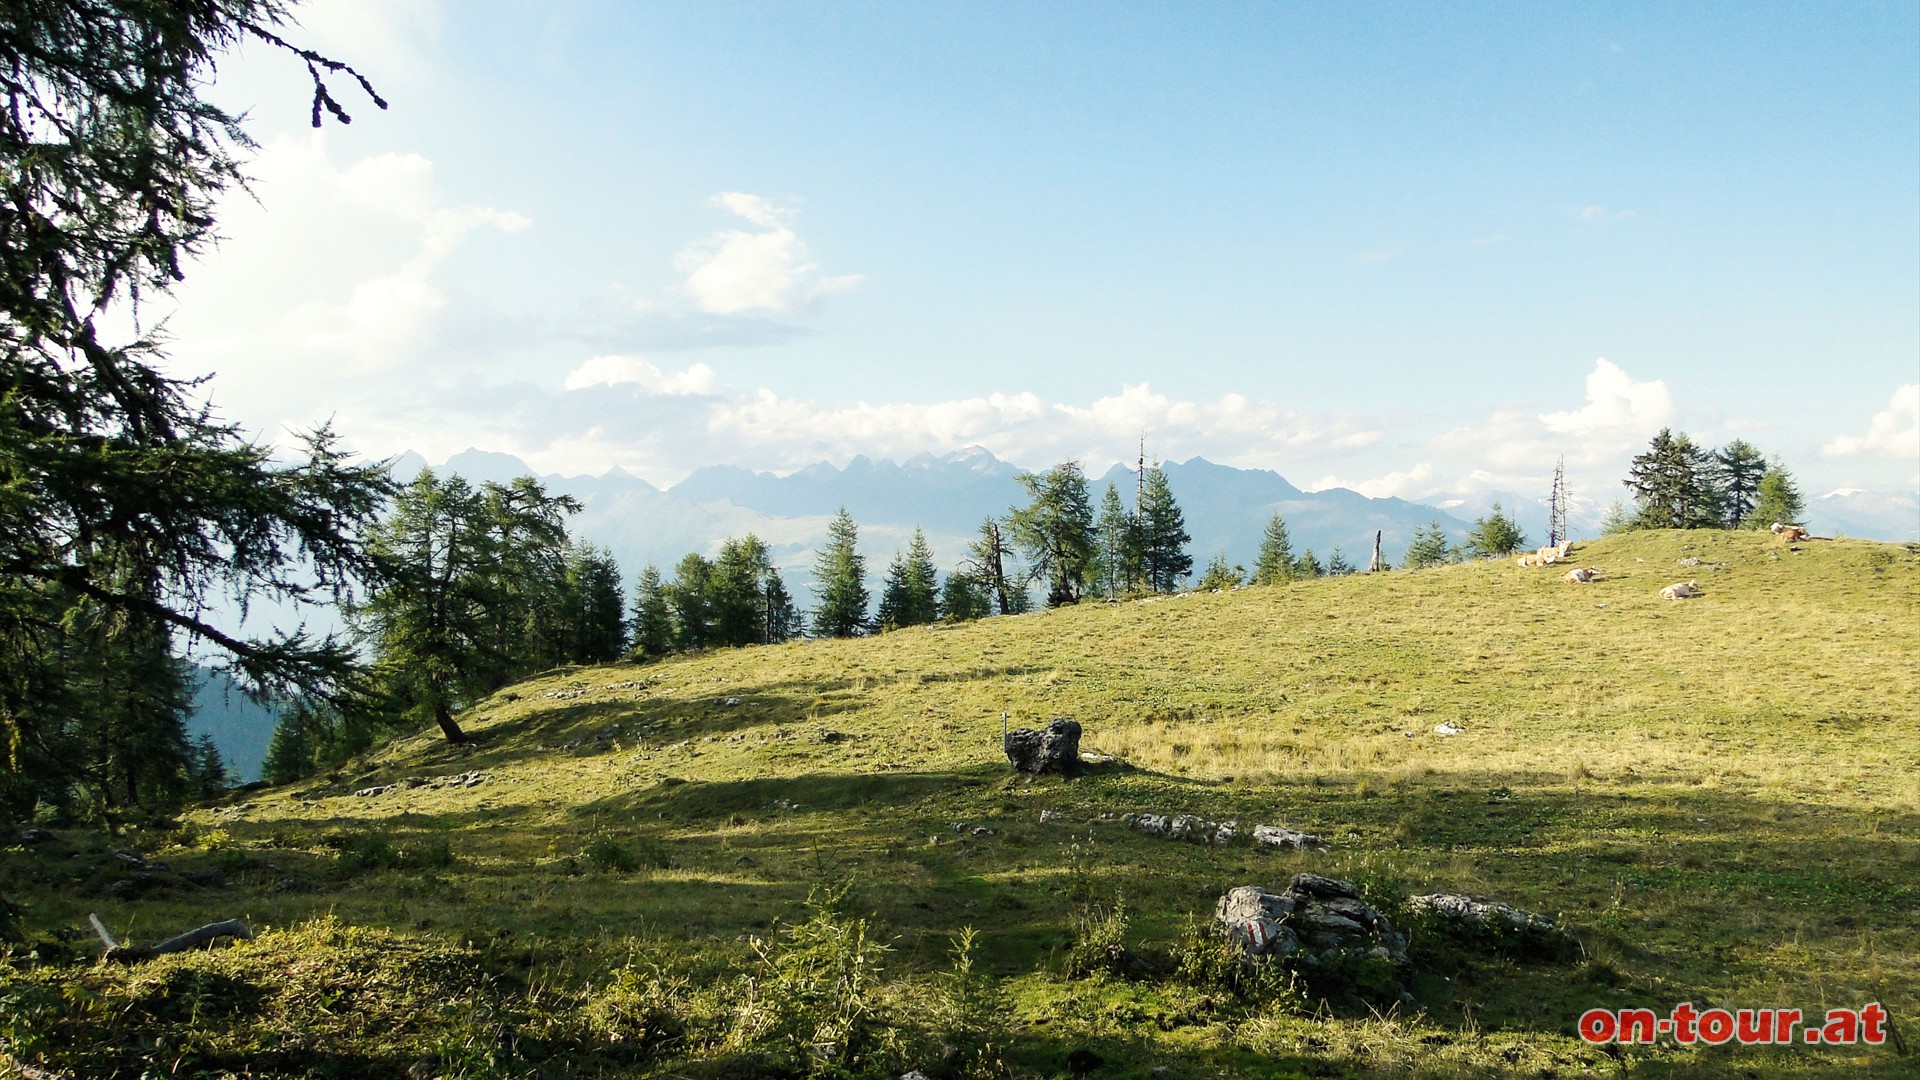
column 447, row 726
column 1374, row 567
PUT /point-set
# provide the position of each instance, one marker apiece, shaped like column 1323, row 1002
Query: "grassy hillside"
column 1716, row 796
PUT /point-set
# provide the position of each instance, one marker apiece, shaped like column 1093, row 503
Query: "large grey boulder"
column 1320, row 917
column 1055, row 748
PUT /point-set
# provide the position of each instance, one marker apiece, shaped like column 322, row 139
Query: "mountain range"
column 1226, row 508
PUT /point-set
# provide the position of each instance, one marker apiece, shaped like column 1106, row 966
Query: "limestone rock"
column 1490, row 922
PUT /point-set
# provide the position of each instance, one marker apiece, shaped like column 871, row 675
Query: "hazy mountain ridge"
column 1226, row 508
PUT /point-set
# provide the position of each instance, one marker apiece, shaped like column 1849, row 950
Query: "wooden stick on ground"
column 192, row 939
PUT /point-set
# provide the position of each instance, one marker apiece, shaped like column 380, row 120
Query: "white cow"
column 1681, row 590
column 1583, row 575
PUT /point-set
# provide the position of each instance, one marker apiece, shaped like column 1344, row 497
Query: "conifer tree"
column 1337, row 564
column 736, row 592
column 1618, row 520
column 1055, row 531
column 594, row 617
column 1672, row 485
column 1777, row 499
column 1495, row 535
column 990, row 562
column 1221, row 574
column 1117, row 548
column 1308, row 566
column 125, row 499
column 1164, row 561
column 840, row 582
column 922, row 598
column 1737, row 471
column 688, row 595
column 468, row 591
column 1276, row 563
column 653, row 630
column 291, row 754
column 209, row 776
column 1429, row 547
column 964, row 598
column 784, row 622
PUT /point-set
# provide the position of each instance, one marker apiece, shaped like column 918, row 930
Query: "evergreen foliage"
column 653, row 629
column 1495, row 535
column 688, row 595
column 1116, row 548
column 1777, row 498
column 593, row 617
column 1337, row 564
column 964, row 598
column 1430, row 547
column 990, row 563
column 911, row 596
column 125, row 507
column 1737, row 471
column 1673, row 485
column 784, row 620
column 1308, row 566
column 840, row 582
column 1617, row 521
column 1164, row 561
column 1055, row 531
column 737, row 594
column 471, row 585
column 1221, row 574
column 1276, row 562
column 292, row 754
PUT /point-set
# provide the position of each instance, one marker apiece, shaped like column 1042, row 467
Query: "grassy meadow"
column 1717, row 796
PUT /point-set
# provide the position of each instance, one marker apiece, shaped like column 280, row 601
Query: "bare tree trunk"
column 1374, row 566
column 447, row 726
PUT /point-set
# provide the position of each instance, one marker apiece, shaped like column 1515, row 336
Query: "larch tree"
column 127, row 511
column 1055, row 530
column 1778, row 499
column 990, row 562
column 470, row 584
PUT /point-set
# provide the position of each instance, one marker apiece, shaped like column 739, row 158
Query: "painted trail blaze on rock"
column 1055, row 748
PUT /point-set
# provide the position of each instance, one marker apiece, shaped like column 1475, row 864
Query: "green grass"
column 1715, row 795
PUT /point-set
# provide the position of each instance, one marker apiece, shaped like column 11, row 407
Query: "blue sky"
column 1419, row 250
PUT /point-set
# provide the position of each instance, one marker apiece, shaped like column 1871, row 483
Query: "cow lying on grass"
column 1583, row 575
column 1789, row 533
column 1681, row 590
column 1547, row 556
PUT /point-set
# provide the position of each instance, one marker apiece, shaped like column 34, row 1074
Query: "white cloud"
column 334, row 271
column 1616, row 405
column 618, row 370
column 738, row 271
column 1409, row 483
column 1894, row 431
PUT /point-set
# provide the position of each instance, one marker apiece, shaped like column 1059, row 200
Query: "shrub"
column 814, row 1006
